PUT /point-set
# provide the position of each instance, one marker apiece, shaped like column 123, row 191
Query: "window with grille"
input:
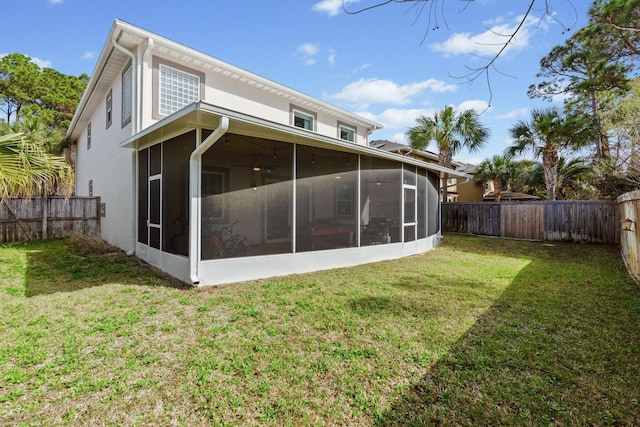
column 177, row 89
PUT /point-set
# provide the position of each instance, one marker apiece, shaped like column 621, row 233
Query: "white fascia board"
column 93, row 80
column 191, row 117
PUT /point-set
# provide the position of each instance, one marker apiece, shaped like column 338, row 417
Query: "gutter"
column 195, row 167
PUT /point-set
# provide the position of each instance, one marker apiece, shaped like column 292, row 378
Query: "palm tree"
column 549, row 132
column 451, row 131
column 573, row 177
column 27, row 169
column 499, row 169
column 37, row 131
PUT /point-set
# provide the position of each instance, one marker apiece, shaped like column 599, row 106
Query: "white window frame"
column 89, row 136
column 306, row 116
column 349, row 130
column 127, row 95
column 109, row 108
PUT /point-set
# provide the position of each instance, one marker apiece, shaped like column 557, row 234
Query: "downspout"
column 194, row 196
column 134, row 130
column 138, row 98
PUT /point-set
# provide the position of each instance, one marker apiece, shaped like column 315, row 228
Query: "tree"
column 619, row 20
column 549, row 132
column 574, row 176
column 27, row 168
column 585, row 70
column 622, row 121
column 499, row 169
column 18, row 83
column 451, row 131
column 28, row 90
column 37, row 131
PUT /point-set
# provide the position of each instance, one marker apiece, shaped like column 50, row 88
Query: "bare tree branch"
column 473, row 73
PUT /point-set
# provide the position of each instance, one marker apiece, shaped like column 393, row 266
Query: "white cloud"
column 489, row 42
column 55, row 2
column 518, row 112
column 361, row 68
column 377, row 91
column 494, row 21
column 309, row 49
column 478, row 105
column 308, row 52
column 332, row 57
column 88, row 55
column 400, row 138
column 332, row 7
column 394, row 118
column 399, row 118
column 42, row 63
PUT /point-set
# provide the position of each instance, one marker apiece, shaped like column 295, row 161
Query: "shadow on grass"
column 560, row 346
column 59, row 266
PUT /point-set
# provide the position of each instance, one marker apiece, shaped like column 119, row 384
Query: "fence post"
column 44, row 200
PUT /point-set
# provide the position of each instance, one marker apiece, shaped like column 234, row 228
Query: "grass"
column 476, row 332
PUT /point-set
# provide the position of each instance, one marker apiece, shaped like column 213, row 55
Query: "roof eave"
column 200, row 113
column 93, row 81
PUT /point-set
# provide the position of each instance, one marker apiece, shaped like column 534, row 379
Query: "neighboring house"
column 469, row 191
column 217, row 175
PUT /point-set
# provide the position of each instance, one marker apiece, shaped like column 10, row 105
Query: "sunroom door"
column 154, row 223
column 410, row 213
column 150, row 203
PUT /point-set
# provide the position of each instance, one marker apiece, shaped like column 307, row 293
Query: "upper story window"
column 109, row 107
column 89, row 136
column 177, row 89
column 347, row 133
column 127, row 95
column 304, row 120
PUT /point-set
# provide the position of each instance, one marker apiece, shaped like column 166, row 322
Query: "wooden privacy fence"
column 629, row 208
column 39, row 218
column 587, row 221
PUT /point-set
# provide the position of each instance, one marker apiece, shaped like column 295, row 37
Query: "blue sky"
column 389, row 64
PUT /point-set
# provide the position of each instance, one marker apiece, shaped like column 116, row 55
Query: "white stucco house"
column 217, row 175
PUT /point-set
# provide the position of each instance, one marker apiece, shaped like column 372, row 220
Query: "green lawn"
column 477, row 332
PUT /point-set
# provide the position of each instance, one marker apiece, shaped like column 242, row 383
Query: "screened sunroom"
column 224, row 197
